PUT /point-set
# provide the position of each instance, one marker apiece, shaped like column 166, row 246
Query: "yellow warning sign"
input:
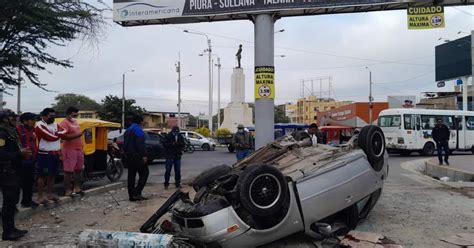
column 264, row 82
column 425, row 17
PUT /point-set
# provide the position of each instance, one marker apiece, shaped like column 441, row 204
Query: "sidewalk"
column 462, row 163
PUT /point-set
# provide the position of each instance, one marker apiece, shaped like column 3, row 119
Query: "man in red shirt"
column 27, row 138
column 72, row 152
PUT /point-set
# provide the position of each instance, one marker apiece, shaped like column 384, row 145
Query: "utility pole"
column 178, row 70
column 370, row 97
column 218, row 92
column 123, row 100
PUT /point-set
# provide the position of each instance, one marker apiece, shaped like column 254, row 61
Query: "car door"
column 194, row 139
column 154, row 145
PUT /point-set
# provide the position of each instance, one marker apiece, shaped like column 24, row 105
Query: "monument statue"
column 239, row 56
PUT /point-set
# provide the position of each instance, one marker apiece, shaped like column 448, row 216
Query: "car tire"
column 428, row 149
column 209, row 176
column 206, row 147
column 150, row 225
column 372, row 141
column 263, row 190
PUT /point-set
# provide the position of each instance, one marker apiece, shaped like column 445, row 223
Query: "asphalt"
column 463, row 163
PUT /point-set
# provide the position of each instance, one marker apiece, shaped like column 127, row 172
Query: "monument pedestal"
column 237, row 111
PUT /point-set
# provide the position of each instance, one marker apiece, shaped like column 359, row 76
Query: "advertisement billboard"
column 401, row 101
column 425, row 17
column 144, row 12
column 453, row 59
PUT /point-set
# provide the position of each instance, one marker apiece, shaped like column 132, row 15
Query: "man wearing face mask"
column 174, row 147
column 242, row 143
column 72, row 152
column 10, row 162
column 48, row 134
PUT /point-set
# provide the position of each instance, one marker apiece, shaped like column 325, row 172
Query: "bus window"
column 470, row 122
column 408, row 120
column 459, row 122
column 390, row 121
column 428, row 122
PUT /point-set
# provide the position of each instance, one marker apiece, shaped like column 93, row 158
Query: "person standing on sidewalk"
column 11, row 154
column 242, row 143
column 27, row 138
column 174, row 146
column 441, row 135
column 72, row 152
column 136, row 160
column 48, row 134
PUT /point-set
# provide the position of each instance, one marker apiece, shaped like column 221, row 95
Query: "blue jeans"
column 241, row 154
column 440, row 146
column 177, row 171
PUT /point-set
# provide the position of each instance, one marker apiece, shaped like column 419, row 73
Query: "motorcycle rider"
column 11, row 154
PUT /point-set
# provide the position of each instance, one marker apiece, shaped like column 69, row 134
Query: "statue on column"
column 239, row 56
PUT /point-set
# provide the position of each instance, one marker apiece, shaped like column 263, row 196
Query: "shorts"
column 73, row 160
column 48, row 165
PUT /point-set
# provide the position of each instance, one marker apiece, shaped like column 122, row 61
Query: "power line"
column 408, row 79
column 463, row 11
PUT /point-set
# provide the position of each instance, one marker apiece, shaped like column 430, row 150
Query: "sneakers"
column 137, row 198
column 440, row 162
column 447, row 163
column 166, row 186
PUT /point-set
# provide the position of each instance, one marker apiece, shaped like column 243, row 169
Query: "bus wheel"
column 428, row 149
column 472, row 150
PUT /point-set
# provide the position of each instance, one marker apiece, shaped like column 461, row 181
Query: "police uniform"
column 10, row 161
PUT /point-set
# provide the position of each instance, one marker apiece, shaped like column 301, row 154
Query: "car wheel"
column 206, row 147
column 150, row 224
column 231, row 148
column 209, row 176
column 428, row 149
column 262, row 190
column 372, row 141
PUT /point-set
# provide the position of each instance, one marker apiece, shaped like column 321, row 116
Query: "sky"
column 338, row 46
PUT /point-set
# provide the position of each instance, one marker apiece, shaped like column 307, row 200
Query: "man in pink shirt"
column 72, row 152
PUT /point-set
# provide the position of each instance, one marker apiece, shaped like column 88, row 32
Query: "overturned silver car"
column 281, row 189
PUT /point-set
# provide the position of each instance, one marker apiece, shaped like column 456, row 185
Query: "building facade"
column 291, row 111
column 308, row 108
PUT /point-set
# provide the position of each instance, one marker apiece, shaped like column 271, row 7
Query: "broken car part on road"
column 281, row 189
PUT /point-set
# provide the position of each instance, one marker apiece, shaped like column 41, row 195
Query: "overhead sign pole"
column 264, row 57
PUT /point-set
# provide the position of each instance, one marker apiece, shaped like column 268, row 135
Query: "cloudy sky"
column 340, row 46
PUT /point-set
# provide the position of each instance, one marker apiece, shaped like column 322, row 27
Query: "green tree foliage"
column 223, row 132
column 204, row 131
column 29, row 27
column 280, row 115
column 64, row 101
column 112, row 109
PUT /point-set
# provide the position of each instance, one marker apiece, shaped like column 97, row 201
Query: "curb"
column 27, row 212
column 467, row 178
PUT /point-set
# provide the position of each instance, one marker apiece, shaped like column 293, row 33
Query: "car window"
column 154, row 136
column 428, row 122
column 409, row 122
column 193, row 136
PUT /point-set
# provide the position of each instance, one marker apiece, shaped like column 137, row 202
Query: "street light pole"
column 123, row 100
column 218, row 92
column 18, row 100
column 178, row 70
column 209, row 51
column 370, row 96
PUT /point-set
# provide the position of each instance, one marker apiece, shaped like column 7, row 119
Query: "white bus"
column 409, row 130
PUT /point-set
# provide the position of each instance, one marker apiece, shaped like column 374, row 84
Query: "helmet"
column 4, row 113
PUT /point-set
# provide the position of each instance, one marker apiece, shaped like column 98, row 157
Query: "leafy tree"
column 204, row 131
column 29, row 27
column 112, row 109
column 223, row 132
column 280, row 115
column 64, row 101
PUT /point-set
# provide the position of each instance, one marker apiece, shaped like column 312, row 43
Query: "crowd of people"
column 30, row 151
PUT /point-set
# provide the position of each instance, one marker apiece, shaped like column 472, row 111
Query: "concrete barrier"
column 455, row 175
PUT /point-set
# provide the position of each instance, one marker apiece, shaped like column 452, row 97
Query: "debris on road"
column 102, row 238
column 462, row 239
column 444, row 179
column 356, row 239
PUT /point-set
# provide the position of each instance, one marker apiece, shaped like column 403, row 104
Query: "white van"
column 409, row 130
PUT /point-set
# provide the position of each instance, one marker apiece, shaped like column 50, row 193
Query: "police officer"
column 10, row 161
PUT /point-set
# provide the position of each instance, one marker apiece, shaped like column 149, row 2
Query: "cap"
column 240, row 126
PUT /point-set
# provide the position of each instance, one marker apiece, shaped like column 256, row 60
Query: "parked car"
column 153, row 141
column 281, row 189
column 199, row 141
